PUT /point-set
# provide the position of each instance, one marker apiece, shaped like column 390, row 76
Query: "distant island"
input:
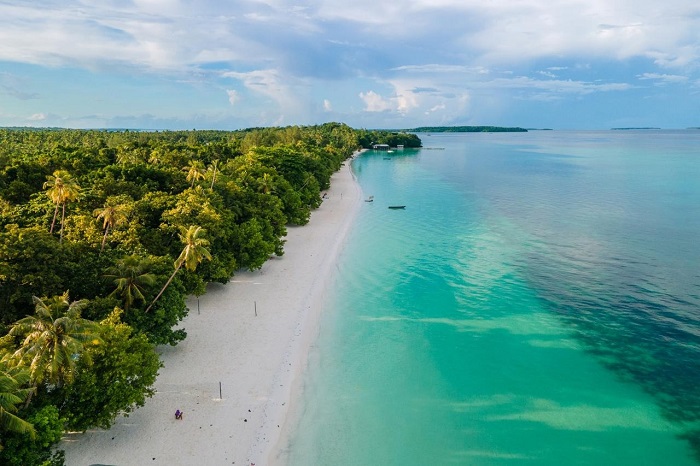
column 466, row 129
column 626, row 129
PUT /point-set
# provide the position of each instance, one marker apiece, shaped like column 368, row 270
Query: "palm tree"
column 61, row 188
column 266, row 183
column 53, row 339
column 111, row 216
column 192, row 254
column 212, row 169
column 195, row 171
column 11, row 395
column 156, row 157
column 130, row 155
column 131, row 276
column 243, row 176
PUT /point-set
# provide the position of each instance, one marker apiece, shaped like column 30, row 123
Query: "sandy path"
column 254, row 359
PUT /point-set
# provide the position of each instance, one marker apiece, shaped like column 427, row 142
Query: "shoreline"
column 235, row 374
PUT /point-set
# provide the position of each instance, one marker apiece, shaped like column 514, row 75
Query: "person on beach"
column 178, row 414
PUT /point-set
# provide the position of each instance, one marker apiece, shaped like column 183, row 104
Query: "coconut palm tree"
column 156, row 157
column 194, row 252
column 54, row 183
column 195, row 171
column 130, row 155
column 213, row 169
column 266, row 183
column 131, row 275
column 111, row 215
column 61, row 188
column 53, row 339
column 12, row 394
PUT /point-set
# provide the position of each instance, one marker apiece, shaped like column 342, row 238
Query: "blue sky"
column 217, row 64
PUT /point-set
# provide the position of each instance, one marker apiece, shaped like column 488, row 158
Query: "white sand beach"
column 233, row 375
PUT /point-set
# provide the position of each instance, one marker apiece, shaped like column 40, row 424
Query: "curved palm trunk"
column 53, row 222
column 104, row 238
column 213, row 178
column 32, row 390
column 164, row 287
column 63, row 217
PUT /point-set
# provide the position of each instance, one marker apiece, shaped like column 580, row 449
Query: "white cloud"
column 406, row 101
column 150, row 35
column 267, row 82
column 438, row 57
column 233, row 96
column 38, row 117
column 166, row 34
column 436, row 108
column 448, row 95
column 433, row 68
column 663, row 78
column 289, row 95
column 557, row 86
column 375, row 102
column 411, row 100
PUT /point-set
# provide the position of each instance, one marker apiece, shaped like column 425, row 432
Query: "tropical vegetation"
column 103, row 234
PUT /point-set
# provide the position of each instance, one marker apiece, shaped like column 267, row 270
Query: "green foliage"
column 138, row 212
column 112, row 214
column 158, row 324
column 194, row 252
column 61, row 188
column 118, row 379
column 132, row 277
column 13, row 392
column 23, row 450
column 127, row 193
column 30, row 263
column 53, row 339
column 253, row 252
column 392, row 138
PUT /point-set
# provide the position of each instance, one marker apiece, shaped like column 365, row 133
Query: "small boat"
column 395, row 207
column 370, row 199
column 387, row 158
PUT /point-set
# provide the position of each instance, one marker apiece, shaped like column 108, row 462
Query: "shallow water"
column 537, row 302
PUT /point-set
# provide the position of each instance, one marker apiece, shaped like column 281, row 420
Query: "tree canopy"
column 131, row 222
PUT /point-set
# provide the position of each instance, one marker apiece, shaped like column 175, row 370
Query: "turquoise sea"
column 537, row 302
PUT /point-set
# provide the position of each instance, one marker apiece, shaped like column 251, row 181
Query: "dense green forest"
column 367, row 138
column 467, row 129
column 103, row 234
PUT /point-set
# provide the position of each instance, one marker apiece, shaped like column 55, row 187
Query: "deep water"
column 537, row 302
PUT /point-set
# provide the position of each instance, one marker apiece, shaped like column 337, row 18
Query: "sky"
column 233, row 64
